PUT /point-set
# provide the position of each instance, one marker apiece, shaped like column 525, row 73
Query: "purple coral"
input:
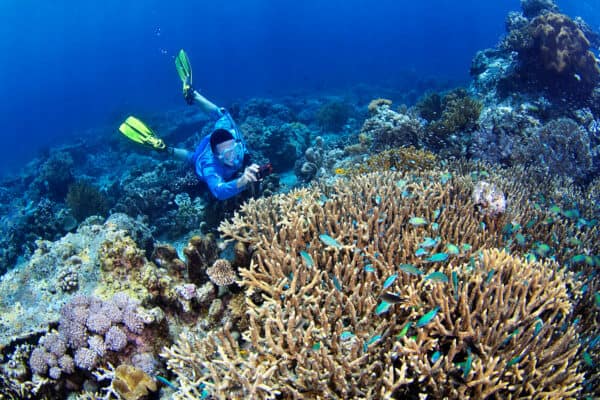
column 38, row 361
column 132, row 320
column 54, row 344
column 112, row 311
column 115, row 339
column 97, row 345
column 74, row 334
column 85, row 358
column 66, row 364
column 55, row 372
column 98, row 322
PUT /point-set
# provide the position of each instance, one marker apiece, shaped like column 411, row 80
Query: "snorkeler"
column 219, row 156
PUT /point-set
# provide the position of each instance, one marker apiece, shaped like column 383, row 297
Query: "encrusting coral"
column 393, row 285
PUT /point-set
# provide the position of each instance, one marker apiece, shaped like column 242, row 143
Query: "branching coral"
column 390, row 285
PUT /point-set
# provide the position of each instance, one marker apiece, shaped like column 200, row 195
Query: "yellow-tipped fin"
column 184, row 69
column 139, row 132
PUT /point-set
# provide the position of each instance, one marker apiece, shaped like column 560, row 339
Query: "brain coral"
column 392, row 285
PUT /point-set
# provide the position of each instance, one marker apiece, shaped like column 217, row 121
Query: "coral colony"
column 444, row 250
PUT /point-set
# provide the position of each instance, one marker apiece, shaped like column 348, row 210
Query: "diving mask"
column 232, row 155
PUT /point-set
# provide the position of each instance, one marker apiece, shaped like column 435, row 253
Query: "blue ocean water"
column 68, row 66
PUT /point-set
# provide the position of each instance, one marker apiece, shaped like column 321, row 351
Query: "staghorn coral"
column 320, row 331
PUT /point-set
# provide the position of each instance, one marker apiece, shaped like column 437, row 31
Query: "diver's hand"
column 248, row 176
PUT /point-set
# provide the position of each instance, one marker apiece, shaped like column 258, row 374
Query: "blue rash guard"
column 209, row 169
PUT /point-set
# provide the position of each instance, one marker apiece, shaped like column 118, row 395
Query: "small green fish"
column 587, row 358
column 428, row 242
column 391, row 298
column 420, row 252
column 455, row 284
column 410, row 269
column 520, row 238
column 438, row 257
column 555, row 209
column 404, row 330
column 390, row 281
column 427, row 318
column 490, row 275
column 166, row 382
column 542, row 249
column 530, row 257
column 437, row 276
column 468, row 364
column 369, row 268
column 383, row 307
column 530, row 223
column 401, row 183
column 452, row 249
column 373, row 340
column 307, row 258
column 514, row 361
column 589, row 260
column 436, row 356
column 538, row 326
column 466, row 247
column 571, row 214
column 579, row 258
column 597, row 299
column 316, row 346
column 436, row 214
column 417, row 221
column 329, row 241
column 336, row 283
column 346, row 335
column 435, row 226
column 445, row 178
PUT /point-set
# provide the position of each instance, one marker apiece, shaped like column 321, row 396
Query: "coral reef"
column 398, row 159
column 533, row 8
column 561, row 147
column 333, row 116
column 554, row 53
column 392, row 285
column 387, row 128
column 84, row 199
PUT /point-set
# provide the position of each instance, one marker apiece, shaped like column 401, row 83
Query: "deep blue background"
column 66, row 66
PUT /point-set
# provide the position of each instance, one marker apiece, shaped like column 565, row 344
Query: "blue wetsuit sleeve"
column 221, row 189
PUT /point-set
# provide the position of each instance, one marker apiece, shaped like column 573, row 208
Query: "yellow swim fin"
column 184, row 69
column 139, row 132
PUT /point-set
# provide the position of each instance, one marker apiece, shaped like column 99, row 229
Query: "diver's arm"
column 206, row 105
column 179, row 153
